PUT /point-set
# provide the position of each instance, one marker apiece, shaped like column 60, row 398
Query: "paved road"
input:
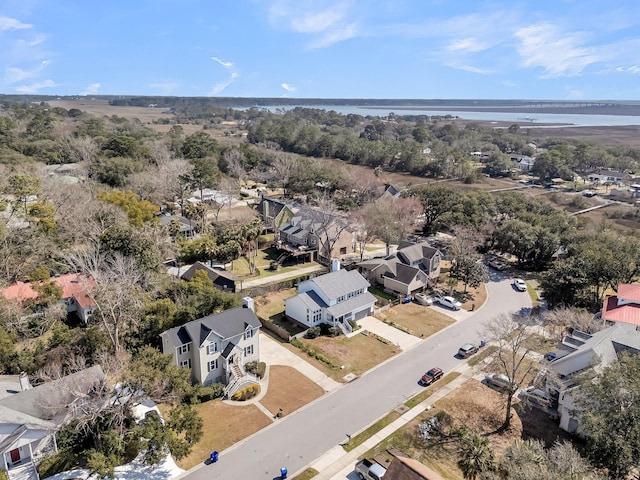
column 300, row 438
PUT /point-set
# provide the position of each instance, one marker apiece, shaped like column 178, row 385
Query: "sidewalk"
column 280, row 277
column 337, row 464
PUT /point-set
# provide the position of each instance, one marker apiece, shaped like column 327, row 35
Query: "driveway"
column 272, row 353
column 457, row 315
column 395, row 336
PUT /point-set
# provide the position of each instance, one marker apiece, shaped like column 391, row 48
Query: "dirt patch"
column 273, row 303
column 416, row 319
column 289, row 390
column 471, row 298
column 223, row 425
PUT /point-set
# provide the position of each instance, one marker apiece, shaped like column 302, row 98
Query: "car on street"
column 500, row 381
column 423, row 299
column 519, row 285
column 431, row 376
column 468, row 349
column 449, row 302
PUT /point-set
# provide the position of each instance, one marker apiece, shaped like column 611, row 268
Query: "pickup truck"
column 369, row 470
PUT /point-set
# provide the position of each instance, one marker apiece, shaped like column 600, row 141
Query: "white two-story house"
column 216, row 348
column 578, row 352
column 332, row 299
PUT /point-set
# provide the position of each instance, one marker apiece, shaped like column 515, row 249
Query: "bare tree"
column 117, row 294
column 285, row 166
column 330, row 226
column 559, row 320
column 514, row 344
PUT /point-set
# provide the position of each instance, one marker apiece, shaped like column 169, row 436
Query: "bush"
column 257, row 368
column 246, row 393
column 334, row 331
column 61, row 461
column 313, row 332
column 313, row 353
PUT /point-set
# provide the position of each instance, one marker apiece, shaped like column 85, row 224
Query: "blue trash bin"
column 214, row 456
column 283, row 472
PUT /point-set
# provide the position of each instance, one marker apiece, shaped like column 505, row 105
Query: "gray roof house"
column 221, row 278
column 332, row 299
column 411, row 268
column 217, row 347
column 579, row 351
column 30, row 416
column 610, row 176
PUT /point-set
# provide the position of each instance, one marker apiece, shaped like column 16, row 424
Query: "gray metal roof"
column 354, row 304
column 336, row 284
column 225, row 325
column 312, row 300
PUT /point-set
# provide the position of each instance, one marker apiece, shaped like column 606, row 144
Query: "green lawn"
column 378, row 292
column 262, row 263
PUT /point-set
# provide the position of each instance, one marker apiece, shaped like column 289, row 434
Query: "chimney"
column 247, row 302
column 335, row 265
column 25, row 384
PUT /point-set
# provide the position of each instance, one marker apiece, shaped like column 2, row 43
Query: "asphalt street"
column 298, row 439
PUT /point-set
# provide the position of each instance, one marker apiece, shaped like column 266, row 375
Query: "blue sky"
column 539, row 49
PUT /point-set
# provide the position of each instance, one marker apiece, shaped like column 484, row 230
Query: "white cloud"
column 35, row 87
column 635, row 69
column 8, row 23
column 222, row 62
column 469, row 68
column 37, row 40
column 508, row 83
column 313, row 22
column 558, row 53
column 220, row 86
column 471, row 44
column 288, row 87
column 91, row 89
column 15, row 74
column 335, row 36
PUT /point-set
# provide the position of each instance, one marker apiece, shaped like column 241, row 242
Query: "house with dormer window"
column 332, row 299
column 217, row 347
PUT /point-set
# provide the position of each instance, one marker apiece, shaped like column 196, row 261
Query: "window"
column 248, row 334
column 212, row 365
column 184, row 348
column 317, row 316
column 212, row 348
column 186, row 363
column 248, row 350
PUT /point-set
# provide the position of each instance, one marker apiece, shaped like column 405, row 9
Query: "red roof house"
column 74, row 293
column 624, row 307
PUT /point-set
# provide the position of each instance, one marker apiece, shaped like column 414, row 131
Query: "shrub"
column 257, row 368
column 61, row 461
column 313, row 332
column 334, row 331
column 246, row 393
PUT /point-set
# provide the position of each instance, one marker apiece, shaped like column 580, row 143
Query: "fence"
column 275, row 329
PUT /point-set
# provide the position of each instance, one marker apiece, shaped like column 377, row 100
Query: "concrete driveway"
column 395, row 336
column 457, row 315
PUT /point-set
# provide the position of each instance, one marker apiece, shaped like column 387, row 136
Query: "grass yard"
column 308, row 474
column 357, row 354
column 289, row 390
column 472, row 299
column 262, row 263
column 223, row 425
column 416, row 319
column 272, row 304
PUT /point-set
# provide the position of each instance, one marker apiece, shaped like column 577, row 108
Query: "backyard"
column 262, row 263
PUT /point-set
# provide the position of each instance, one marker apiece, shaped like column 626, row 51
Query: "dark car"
column 431, row 376
column 550, row 356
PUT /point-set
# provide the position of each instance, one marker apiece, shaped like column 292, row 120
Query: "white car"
column 500, row 381
column 449, row 302
column 520, row 285
column 423, row 299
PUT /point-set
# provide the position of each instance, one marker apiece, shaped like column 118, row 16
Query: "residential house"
column 623, row 307
column 221, row 278
column 610, row 176
column 210, row 196
column 525, row 162
column 75, row 293
column 178, row 225
column 413, row 267
column 577, row 352
column 276, row 213
column 30, row 416
column 217, row 347
column 406, row 468
column 311, row 231
column 333, row 299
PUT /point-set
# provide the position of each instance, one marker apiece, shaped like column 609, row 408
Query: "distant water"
column 531, row 119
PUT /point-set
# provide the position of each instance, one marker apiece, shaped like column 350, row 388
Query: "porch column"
column 30, row 453
column 4, row 461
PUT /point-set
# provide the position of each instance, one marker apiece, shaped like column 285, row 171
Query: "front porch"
column 236, row 375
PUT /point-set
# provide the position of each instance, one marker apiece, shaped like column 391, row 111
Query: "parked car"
column 519, row 285
column 431, row 376
column 406, row 299
column 500, row 381
column 423, row 299
column 537, row 396
column 468, row 349
column 370, row 469
column 497, row 264
column 449, row 302
column 550, row 356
